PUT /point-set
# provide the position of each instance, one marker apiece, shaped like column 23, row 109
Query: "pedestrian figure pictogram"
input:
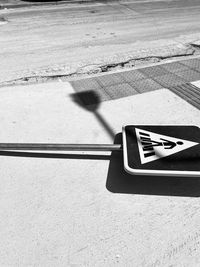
column 148, row 144
column 153, row 146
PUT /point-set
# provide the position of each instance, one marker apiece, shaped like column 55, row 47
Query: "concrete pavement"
column 20, row 4
column 60, row 210
column 82, row 209
column 80, row 39
column 176, row 76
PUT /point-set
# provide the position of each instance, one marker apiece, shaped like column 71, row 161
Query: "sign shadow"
column 90, row 101
column 119, row 181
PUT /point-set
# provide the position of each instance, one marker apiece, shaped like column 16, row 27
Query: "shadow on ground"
column 118, row 181
column 53, row 155
column 90, row 101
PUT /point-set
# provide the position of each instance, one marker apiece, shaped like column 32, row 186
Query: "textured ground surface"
column 84, row 210
column 176, row 76
column 71, row 39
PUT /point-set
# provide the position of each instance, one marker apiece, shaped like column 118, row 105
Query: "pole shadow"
column 119, row 181
column 54, row 155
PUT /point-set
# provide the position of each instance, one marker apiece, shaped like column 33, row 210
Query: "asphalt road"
column 73, row 38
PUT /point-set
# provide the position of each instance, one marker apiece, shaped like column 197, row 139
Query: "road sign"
column 162, row 150
column 148, row 150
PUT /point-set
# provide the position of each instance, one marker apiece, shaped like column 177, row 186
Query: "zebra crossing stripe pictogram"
column 153, row 146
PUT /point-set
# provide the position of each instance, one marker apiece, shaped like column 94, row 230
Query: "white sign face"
column 153, row 146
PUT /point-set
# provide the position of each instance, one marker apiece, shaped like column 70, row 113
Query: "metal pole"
column 60, row 147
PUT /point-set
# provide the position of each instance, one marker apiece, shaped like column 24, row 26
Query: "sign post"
column 147, row 149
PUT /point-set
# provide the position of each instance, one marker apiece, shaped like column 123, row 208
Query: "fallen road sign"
column 147, row 149
column 162, row 150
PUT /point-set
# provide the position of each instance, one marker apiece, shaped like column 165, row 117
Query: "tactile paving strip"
column 90, row 87
column 154, row 71
column 193, row 64
column 189, row 75
column 108, row 80
column 86, row 84
column 175, row 67
column 175, row 76
column 133, row 75
column 120, row 90
column 188, row 92
column 145, row 85
column 169, row 80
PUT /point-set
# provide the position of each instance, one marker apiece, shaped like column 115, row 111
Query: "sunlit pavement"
column 86, row 38
column 82, row 209
column 21, row 3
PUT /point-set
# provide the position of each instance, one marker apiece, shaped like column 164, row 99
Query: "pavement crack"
column 85, row 71
column 196, row 45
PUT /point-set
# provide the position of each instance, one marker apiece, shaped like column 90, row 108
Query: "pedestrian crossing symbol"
column 153, row 146
column 162, row 150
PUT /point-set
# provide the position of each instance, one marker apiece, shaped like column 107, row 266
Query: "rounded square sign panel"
column 162, row 150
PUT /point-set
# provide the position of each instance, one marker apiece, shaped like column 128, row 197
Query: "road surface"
column 84, row 210
column 68, row 39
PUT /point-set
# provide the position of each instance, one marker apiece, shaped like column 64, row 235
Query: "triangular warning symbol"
column 153, row 146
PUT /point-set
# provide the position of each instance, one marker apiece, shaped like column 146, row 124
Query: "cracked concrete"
column 164, row 55
column 195, row 45
column 52, row 42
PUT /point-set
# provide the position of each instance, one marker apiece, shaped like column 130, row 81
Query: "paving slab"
column 59, row 210
column 180, row 77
